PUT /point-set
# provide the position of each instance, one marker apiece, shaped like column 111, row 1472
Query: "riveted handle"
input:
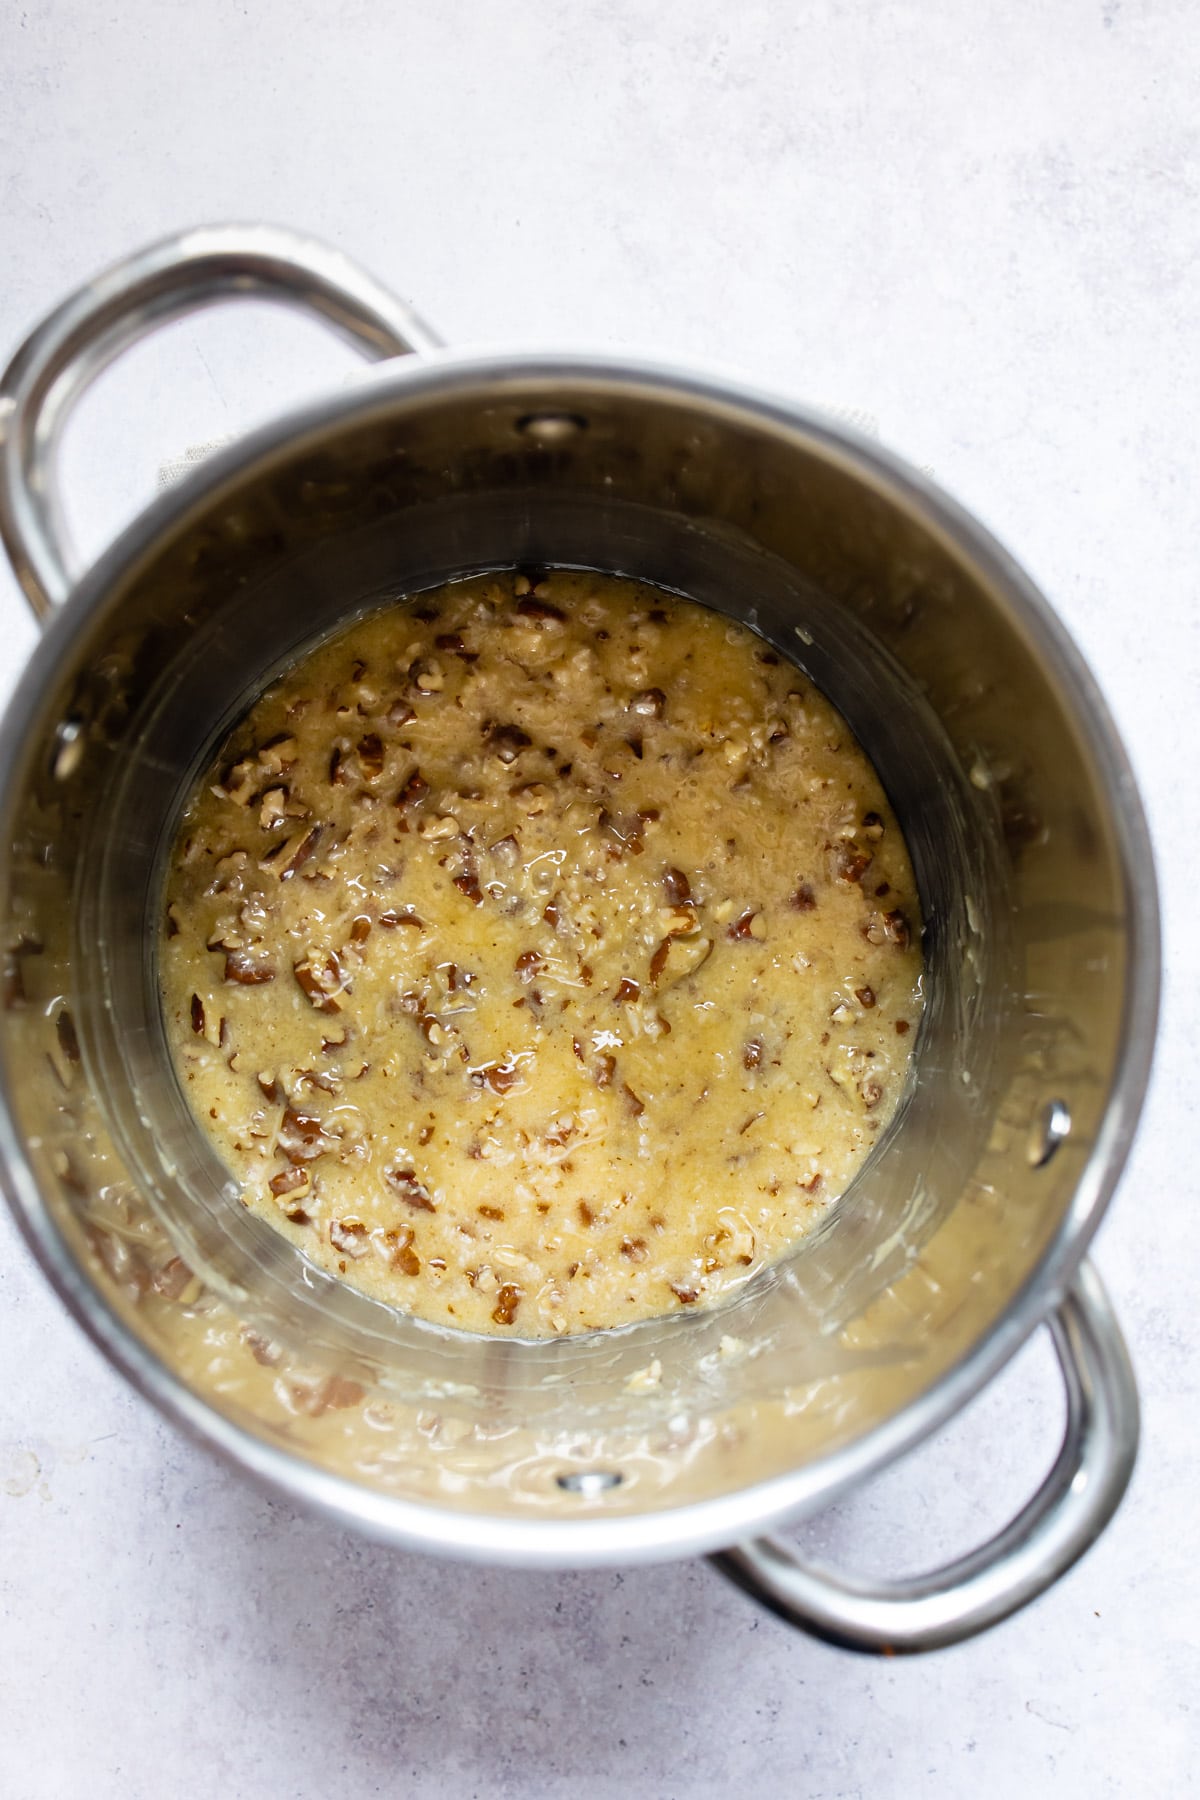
column 179, row 275
column 1063, row 1519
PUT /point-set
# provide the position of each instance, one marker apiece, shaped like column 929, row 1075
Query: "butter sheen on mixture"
column 542, row 957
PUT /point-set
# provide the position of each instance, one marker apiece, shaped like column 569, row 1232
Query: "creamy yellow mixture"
column 542, row 957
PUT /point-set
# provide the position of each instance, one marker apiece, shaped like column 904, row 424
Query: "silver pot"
column 966, row 1230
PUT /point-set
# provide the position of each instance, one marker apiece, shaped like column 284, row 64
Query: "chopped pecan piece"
column 625, row 831
column 678, row 887
column 323, row 1084
column 302, row 1137
column 371, row 756
column 888, row 928
column 401, row 1254
column 239, row 782
column 897, row 929
column 853, row 862
column 507, row 741
column 528, row 964
column 349, row 1235
column 246, row 970
column 650, row 703
column 286, row 858
column 320, row 980
column 278, row 753
column 292, row 1183
column 468, row 884
column 500, row 1077
column 414, row 790
column 677, row 956
column 390, row 920
column 412, row 1191
column 540, row 611
column 750, row 924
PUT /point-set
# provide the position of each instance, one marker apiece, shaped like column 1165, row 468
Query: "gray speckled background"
column 980, row 223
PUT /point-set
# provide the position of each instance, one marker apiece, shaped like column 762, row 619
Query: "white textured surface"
column 978, row 222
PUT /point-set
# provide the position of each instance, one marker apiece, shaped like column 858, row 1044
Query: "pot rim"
column 696, row 1526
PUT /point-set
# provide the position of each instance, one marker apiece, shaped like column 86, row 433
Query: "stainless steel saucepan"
column 967, row 1229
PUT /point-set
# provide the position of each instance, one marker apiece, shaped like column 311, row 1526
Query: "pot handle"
column 178, row 275
column 1063, row 1519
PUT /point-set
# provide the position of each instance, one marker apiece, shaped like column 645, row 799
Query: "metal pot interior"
column 973, row 709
